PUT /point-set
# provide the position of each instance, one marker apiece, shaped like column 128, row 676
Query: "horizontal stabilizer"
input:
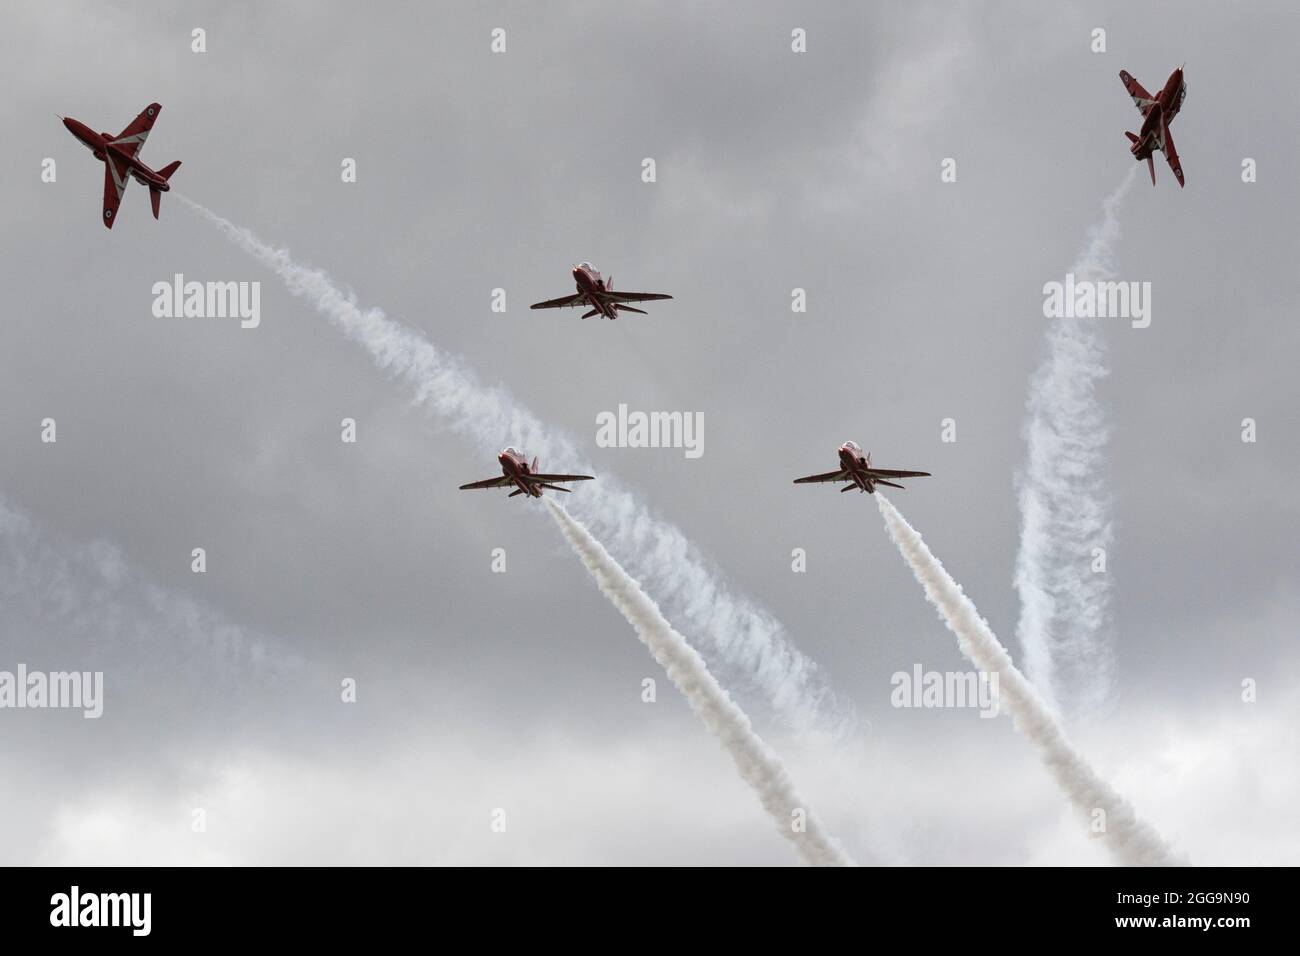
column 555, row 487
column 591, row 313
column 1132, row 137
column 155, row 198
column 881, row 481
column 167, row 171
column 517, row 491
column 628, row 308
column 849, row 488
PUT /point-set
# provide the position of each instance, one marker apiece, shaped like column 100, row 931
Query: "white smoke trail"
column 758, row 765
column 1129, row 839
column 1064, row 502
column 85, row 601
column 747, row 639
column 82, row 607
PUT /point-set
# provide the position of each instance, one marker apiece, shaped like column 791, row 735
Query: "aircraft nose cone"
column 76, row 129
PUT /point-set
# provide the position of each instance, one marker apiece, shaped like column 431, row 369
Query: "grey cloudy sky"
column 775, row 170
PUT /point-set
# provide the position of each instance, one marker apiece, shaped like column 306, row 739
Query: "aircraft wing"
column 635, row 296
column 563, row 302
column 894, row 473
column 500, row 481
column 1141, row 98
column 115, row 180
column 553, row 478
column 840, row 475
column 1166, row 144
column 132, row 138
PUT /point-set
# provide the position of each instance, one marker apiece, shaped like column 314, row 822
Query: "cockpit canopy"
column 852, row 445
column 512, row 453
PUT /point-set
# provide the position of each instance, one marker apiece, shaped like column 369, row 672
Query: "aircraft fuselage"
column 856, row 464
column 516, row 468
column 591, row 285
column 1167, row 104
column 100, row 145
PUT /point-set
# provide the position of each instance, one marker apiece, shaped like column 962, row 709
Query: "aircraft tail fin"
column 155, row 195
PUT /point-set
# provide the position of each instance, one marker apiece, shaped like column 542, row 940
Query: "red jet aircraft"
column 120, row 155
column 599, row 294
column 518, row 474
column 856, row 468
column 1159, row 111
